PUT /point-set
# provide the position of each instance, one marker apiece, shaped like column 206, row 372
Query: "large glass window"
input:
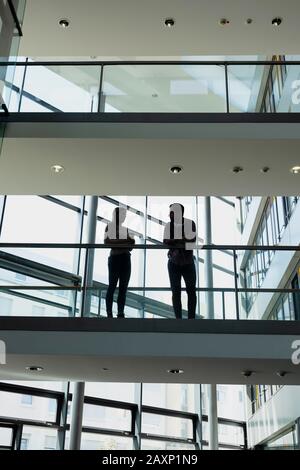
column 32, row 219
column 168, row 426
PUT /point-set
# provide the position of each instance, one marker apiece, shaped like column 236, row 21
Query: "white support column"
column 211, row 389
column 78, row 394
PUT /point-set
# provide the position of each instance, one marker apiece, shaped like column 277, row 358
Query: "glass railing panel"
column 245, row 84
column 36, row 303
column 33, row 287
column 164, row 88
column 58, row 88
column 8, row 76
column 281, row 92
column 269, row 88
column 153, row 87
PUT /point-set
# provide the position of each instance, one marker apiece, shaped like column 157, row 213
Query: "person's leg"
column 175, row 281
column 113, row 276
column 189, row 275
column 125, row 271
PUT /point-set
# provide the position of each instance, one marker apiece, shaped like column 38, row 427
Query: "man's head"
column 119, row 215
column 176, row 212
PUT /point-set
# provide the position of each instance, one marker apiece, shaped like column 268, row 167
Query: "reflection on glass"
column 37, row 408
column 5, row 436
column 101, row 442
column 106, row 418
column 181, row 397
column 164, row 88
column 38, row 438
column 150, row 444
column 244, row 86
column 62, row 88
column 168, row 426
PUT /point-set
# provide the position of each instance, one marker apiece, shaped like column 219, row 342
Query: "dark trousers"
column 188, row 272
column 119, row 270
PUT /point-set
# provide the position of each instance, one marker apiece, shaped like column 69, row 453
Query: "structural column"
column 78, row 394
column 208, row 266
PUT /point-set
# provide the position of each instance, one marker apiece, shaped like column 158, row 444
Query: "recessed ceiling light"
column 224, row 21
column 237, row 169
column 176, row 169
column 295, row 170
column 64, row 23
column 175, row 371
column 247, row 373
column 265, row 169
column 276, row 21
column 169, row 22
column 34, row 368
column 57, row 169
column 281, row 373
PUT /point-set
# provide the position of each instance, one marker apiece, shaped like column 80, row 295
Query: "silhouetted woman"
column 119, row 262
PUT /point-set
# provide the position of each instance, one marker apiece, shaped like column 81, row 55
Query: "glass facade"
column 37, row 414
column 270, row 231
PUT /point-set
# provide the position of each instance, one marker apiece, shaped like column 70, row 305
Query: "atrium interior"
column 105, row 113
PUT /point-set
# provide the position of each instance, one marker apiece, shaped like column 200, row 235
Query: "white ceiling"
column 149, row 370
column 137, row 166
column 120, row 28
column 144, row 356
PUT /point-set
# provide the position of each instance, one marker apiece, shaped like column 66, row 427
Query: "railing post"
column 101, row 99
column 227, row 88
column 22, row 86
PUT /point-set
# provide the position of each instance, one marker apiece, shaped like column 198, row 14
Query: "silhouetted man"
column 119, row 262
column 179, row 234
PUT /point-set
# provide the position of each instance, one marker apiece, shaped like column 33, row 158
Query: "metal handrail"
column 142, row 246
column 104, row 63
